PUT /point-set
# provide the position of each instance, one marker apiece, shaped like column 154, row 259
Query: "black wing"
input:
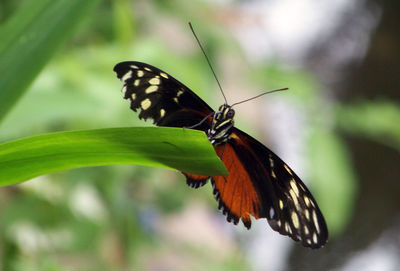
column 161, row 97
column 164, row 99
column 262, row 185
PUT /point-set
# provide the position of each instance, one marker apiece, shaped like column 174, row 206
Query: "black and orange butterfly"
column 259, row 184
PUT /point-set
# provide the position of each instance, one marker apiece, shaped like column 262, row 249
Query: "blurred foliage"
column 334, row 182
column 30, row 38
column 375, row 120
column 114, row 218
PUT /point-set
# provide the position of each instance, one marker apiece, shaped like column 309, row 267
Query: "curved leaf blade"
column 173, row 148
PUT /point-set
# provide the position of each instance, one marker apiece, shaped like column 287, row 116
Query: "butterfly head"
column 222, row 124
column 225, row 112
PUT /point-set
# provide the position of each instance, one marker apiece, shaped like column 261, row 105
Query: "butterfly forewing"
column 160, row 97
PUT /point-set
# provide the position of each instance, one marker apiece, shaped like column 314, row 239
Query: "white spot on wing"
column 164, row 75
column 133, row 96
column 315, row 238
column 271, row 161
column 145, row 104
column 124, row 89
column 155, row 81
column 306, row 231
column 147, row 69
column 126, row 76
column 281, row 204
column 271, row 212
column 162, row 113
column 306, row 200
column 295, row 220
column 294, row 187
column 287, row 169
column 136, row 83
column 307, row 214
column 315, row 221
column 287, row 227
column 294, row 197
column 134, row 67
column 151, row 89
column 140, row 73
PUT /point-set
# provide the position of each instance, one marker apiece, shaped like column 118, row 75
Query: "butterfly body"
column 259, row 183
column 221, row 125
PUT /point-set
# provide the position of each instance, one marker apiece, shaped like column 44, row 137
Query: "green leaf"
column 30, row 38
column 377, row 120
column 174, row 148
column 334, row 180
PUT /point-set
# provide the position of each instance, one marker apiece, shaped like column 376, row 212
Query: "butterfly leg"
column 200, row 123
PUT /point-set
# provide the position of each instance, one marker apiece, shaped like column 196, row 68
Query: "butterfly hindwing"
column 262, row 185
column 236, row 193
column 195, row 181
column 160, row 97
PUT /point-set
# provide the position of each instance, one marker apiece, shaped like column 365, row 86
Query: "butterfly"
column 259, row 183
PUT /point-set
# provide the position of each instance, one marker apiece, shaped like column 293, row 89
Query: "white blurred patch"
column 197, row 227
column 287, row 129
column 86, row 202
column 381, row 255
column 267, row 248
column 288, row 29
column 30, row 239
column 45, row 188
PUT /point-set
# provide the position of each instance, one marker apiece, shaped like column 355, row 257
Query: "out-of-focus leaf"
column 301, row 85
column 30, row 38
column 175, row 148
column 378, row 121
column 334, row 180
column 124, row 27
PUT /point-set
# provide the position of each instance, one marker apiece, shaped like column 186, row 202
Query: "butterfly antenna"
column 255, row 97
column 208, row 61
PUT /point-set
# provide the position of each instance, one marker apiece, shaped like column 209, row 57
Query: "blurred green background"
column 338, row 127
